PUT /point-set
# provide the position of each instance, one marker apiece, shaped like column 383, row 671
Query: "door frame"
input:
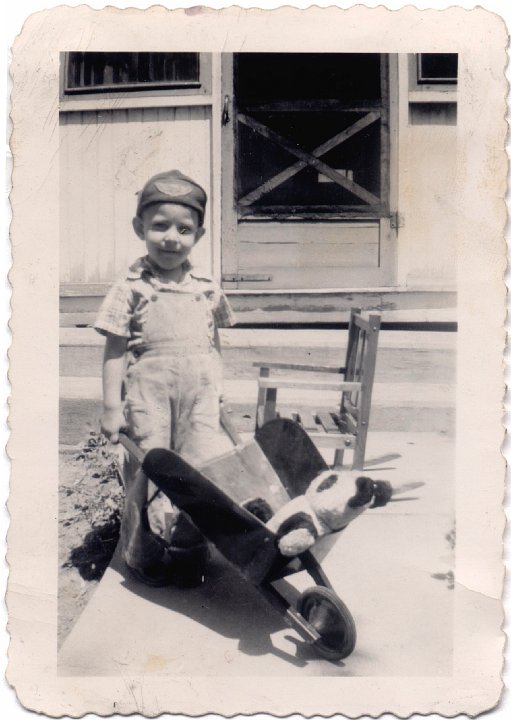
column 229, row 265
column 229, row 215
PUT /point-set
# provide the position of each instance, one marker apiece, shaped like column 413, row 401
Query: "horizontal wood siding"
column 308, row 254
column 106, row 156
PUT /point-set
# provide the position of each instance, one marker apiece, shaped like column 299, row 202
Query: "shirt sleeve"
column 222, row 311
column 114, row 315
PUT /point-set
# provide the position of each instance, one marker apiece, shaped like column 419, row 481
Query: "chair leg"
column 338, row 458
column 360, row 451
column 261, row 398
column 270, row 405
column 266, row 401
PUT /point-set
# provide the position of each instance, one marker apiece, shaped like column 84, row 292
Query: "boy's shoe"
column 181, row 562
column 189, row 564
column 154, row 575
column 157, row 574
column 185, row 567
column 178, row 565
column 189, row 552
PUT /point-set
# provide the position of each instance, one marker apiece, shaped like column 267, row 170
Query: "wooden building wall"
column 427, row 193
column 107, row 154
column 427, row 251
column 105, row 157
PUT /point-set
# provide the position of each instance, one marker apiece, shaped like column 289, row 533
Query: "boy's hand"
column 112, row 421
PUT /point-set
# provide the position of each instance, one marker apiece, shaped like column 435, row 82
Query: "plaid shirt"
column 123, row 310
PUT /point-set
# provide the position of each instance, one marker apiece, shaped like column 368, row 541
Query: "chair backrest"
column 360, row 367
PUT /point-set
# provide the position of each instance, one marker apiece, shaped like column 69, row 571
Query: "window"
column 435, row 68
column 88, row 72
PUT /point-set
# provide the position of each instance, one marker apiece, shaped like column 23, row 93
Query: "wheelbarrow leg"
column 291, row 616
column 311, row 565
column 320, row 617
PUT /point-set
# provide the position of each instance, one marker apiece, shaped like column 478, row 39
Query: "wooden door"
column 306, row 171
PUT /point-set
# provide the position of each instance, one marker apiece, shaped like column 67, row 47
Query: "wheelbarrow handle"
column 131, row 447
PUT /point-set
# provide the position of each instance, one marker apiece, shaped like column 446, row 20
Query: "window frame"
column 144, row 90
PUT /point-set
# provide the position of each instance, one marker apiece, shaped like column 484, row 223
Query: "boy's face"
column 169, row 231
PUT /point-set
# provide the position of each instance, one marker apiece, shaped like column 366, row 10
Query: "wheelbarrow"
column 277, row 465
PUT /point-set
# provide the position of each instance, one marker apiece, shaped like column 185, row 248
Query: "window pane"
column 96, row 71
column 437, row 67
column 358, row 159
column 350, row 77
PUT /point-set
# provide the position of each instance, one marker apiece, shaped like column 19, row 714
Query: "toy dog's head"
column 337, row 498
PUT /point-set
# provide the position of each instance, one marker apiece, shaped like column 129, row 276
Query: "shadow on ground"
column 228, row 605
column 93, row 556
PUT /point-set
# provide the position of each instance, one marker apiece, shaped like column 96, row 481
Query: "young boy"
column 162, row 350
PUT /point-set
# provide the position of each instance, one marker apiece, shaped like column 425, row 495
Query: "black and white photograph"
column 269, row 378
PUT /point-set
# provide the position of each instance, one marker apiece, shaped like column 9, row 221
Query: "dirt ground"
column 90, row 504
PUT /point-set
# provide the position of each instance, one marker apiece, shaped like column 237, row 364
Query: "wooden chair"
column 347, row 427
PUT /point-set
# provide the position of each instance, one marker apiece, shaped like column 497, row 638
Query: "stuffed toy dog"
column 332, row 501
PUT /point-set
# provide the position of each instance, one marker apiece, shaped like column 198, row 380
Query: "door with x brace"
column 306, row 191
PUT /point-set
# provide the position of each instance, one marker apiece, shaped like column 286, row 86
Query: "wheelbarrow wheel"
column 330, row 617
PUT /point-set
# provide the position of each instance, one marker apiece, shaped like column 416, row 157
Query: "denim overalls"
column 172, row 400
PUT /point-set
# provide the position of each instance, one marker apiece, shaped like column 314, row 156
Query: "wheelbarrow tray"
column 238, row 535
column 277, row 466
column 280, row 464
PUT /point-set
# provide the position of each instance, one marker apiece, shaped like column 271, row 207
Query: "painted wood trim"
column 401, row 142
column 394, row 98
column 312, row 106
column 433, row 96
column 85, row 318
column 289, row 213
column 84, row 289
column 288, row 277
column 77, row 319
column 123, row 103
column 388, row 235
column 216, row 167
column 385, row 130
column 376, row 294
column 229, row 244
column 132, row 99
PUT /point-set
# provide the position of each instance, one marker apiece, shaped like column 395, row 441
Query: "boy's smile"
column 170, row 231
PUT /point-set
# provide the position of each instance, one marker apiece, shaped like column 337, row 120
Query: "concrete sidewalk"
column 241, row 391
column 392, row 567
